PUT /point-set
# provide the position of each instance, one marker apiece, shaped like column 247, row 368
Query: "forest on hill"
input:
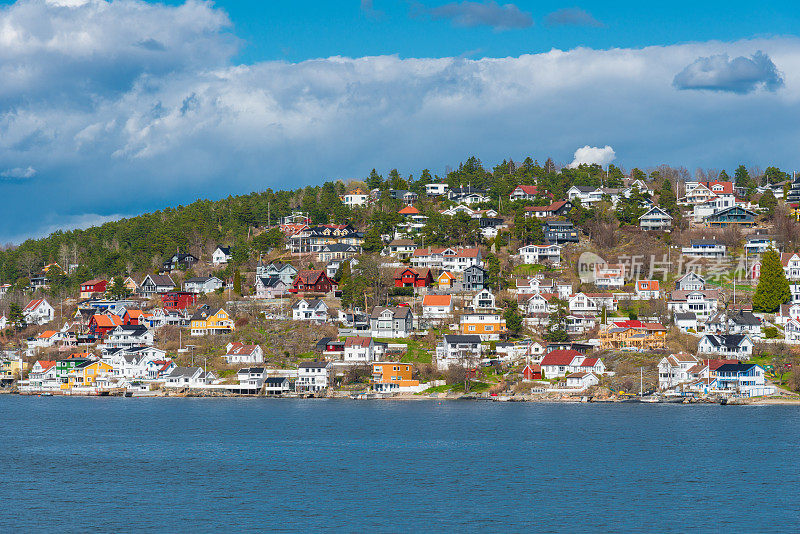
column 140, row 244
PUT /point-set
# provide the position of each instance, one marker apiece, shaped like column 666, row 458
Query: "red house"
column 100, row 325
column 93, row 286
column 178, row 300
column 311, row 282
column 134, row 317
column 409, row 277
column 532, row 371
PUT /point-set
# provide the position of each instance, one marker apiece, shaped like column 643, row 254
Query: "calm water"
column 202, row 465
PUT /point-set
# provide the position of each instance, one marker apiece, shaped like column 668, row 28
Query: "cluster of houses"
column 442, row 289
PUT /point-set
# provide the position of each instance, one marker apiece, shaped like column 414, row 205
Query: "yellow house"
column 10, row 370
column 388, row 376
column 207, row 321
column 490, row 326
column 86, row 375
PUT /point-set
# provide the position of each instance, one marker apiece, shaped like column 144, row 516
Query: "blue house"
column 735, row 215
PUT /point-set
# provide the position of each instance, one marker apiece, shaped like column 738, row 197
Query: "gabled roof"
column 314, row 364
column 399, row 312
column 357, row 341
column 159, row 280
column 32, row 305
column 238, row 349
column 555, row 206
column 437, row 300
column 47, row 334
column 409, row 210
column 560, row 357
column 309, row 277
column 647, row 285
column 107, row 321
column 656, row 209
column 224, row 250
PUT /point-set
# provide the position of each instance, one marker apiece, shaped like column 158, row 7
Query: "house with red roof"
column 527, row 192
column 311, row 281
column 92, row 287
column 43, row 375
column 532, row 371
column 240, row 353
column 39, row 312
column 100, row 325
column 437, row 306
column 648, row 289
column 362, row 349
column 410, row 277
column 560, row 363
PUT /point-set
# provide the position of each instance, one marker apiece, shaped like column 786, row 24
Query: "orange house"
column 391, row 376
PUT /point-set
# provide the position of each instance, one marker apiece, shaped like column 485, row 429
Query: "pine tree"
column 346, row 285
column 773, row 287
column 372, row 240
column 15, row 317
column 237, row 282
column 513, row 320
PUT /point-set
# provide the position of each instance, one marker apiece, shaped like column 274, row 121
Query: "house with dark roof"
column 285, row 271
column 202, row 284
column 314, row 310
column 221, row 255
column 733, row 216
column 458, row 350
column 739, row 346
column 311, row 281
column 555, row 209
column 156, row 284
column 410, row 277
column 270, row 287
column 313, row 376
column 391, row 322
column 746, row 379
column 179, row 261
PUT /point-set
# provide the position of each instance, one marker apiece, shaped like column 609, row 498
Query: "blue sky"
column 110, row 109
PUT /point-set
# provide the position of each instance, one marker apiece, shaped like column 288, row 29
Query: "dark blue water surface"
column 203, row 465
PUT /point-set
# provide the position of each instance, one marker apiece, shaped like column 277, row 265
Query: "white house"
column 128, row 336
column 221, row 255
column 747, row 379
column 252, row 377
column 791, row 265
column 310, row 310
column 276, row 385
column 648, row 289
column 678, row 369
column 609, row 276
column 239, row 353
column 187, row 377
column 705, row 248
column 202, row 285
column 437, row 306
column 737, row 346
column 690, row 281
column 591, row 302
column 483, row 300
column 702, row 303
column 355, row 199
column 435, row 189
column 582, row 380
column 270, row 287
column 359, row 349
column 43, row 376
column 560, row 363
column 313, row 376
column 460, row 350
column 156, row 284
column 38, row 312
column 791, row 332
column 686, row 321
column 524, row 192
column 538, row 254
column 655, row 219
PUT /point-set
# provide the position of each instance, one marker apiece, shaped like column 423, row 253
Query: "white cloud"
column 737, row 75
column 18, row 173
column 591, row 155
column 140, row 106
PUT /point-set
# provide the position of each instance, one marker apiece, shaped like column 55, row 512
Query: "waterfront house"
column 251, row 378
column 532, row 371
column 239, row 353
column 88, row 374
column 391, row 322
column 747, row 379
column 187, row 377
column 359, row 349
column 313, row 376
column 582, row 380
column 458, row 350
column 677, row 369
column 277, row 385
column 559, row 363
column 43, row 375
column 392, row 377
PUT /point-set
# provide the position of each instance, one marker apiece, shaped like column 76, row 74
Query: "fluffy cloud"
column 573, row 16
column 18, row 173
column 470, row 14
column 591, row 155
column 175, row 119
column 737, row 75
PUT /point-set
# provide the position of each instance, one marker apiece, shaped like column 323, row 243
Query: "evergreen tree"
column 372, row 240
column 557, row 324
column 513, row 320
column 346, row 285
column 723, row 176
column 768, row 202
column 15, row 317
column 118, row 289
column 237, row 282
column 773, row 287
column 375, row 180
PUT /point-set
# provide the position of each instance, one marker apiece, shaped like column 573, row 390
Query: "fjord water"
column 210, row 465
